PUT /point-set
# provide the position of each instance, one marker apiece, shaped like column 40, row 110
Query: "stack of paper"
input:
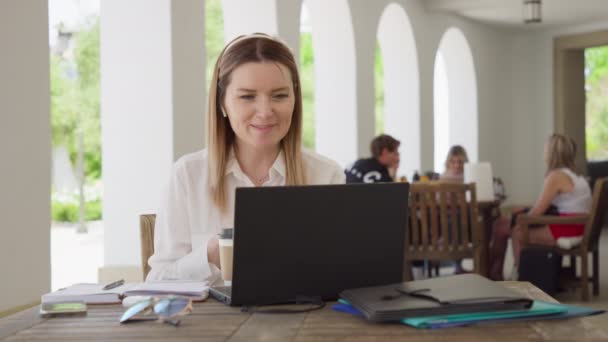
column 194, row 289
column 94, row 293
column 88, row 293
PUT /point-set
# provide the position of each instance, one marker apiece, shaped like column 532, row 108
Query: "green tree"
column 75, row 100
column 214, row 34
column 379, row 90
column 307, row 78
column 87, row 62
column 596, row 85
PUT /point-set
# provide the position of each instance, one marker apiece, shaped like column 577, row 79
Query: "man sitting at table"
column 381, row 167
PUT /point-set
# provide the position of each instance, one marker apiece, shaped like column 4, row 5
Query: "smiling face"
column 260, row 102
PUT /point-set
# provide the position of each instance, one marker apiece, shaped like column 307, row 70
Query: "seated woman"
column 564, row 188
column 254, row 132
column 454, row 173
column 454, row 165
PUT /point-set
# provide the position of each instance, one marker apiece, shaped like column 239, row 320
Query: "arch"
column 335, row 79
column 455, row 97
column 401, row 85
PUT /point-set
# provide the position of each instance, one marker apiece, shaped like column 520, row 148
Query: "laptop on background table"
column 315, row 241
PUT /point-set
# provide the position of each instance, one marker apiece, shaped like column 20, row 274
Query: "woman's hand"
column 213, row 251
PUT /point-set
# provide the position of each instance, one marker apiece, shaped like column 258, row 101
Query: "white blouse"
column 188, row 218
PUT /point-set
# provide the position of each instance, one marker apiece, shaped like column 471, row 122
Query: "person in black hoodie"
column 381, row 167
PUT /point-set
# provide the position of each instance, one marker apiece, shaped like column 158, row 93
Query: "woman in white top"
column 254, row 130
column 563, row 188
column 454, row 165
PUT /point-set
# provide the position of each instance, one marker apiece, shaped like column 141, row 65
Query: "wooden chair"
column 590, row 244
column 146, row 231
column 442, row 225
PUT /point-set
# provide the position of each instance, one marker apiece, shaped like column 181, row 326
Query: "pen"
column 114, row 284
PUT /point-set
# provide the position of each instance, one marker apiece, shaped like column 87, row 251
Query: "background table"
column 212, row 321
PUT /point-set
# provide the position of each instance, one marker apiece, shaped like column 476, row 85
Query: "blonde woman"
column 254, row 130
column 565, row 188
column 454, row 164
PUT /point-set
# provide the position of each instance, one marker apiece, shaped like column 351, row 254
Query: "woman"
column 454, row 173
column 564, row 188
column 254, row 129
column 454, row 164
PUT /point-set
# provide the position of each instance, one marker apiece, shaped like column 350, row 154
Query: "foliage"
column 379, row 90
column 68, row 212
column 596, row 85
column 307, row 78
column 75, row 100
column 214, row 34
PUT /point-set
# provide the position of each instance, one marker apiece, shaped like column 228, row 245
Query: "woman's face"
column 259, row 102
column 456, row 165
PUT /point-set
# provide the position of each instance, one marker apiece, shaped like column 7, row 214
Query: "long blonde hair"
column 456, row 151
column 257, row 47
column 561, row 152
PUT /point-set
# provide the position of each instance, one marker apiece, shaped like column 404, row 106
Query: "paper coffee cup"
column 226, row 245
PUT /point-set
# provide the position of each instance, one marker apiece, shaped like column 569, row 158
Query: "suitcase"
column 540, row 265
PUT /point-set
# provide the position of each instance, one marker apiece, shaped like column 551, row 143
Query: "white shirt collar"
column 277, row 168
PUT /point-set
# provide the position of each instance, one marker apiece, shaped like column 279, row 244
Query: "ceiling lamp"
column 532, row 11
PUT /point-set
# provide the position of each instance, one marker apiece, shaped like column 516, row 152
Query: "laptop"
column 315, row 241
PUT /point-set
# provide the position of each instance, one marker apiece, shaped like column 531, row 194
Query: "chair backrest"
column 146, row 231
column 598, row 214
column 443, row 218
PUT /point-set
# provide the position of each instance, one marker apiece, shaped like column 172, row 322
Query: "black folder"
column 457, row 294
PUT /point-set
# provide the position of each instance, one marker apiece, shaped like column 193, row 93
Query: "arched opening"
column 335, row 117
column 455, row 98
column 398, row 68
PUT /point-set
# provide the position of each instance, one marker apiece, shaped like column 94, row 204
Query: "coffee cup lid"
column 226, row 233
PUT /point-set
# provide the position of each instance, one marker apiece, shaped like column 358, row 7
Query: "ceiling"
column 555, row 13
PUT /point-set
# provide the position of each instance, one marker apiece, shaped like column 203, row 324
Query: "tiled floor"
column 76, row 258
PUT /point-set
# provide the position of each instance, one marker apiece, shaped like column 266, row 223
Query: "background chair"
column 590, row 244
column 443, row 225
column 146, row 231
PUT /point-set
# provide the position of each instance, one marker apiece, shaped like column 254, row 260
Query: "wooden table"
column 212, row 321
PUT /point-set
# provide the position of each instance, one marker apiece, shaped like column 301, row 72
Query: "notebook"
column 458, row 294
column 94, row 293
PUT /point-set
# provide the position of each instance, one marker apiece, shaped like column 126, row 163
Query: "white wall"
column 490, row 51
column 25, row 147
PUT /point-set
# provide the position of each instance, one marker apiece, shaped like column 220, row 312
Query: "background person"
column 381, row 167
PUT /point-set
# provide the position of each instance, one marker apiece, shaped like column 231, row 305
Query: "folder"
column 539, row 311
column 466, row 293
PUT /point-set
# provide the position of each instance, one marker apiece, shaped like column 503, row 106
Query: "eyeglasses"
column 167, row 309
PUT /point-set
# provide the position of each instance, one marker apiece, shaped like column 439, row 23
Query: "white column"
column 246, row 16
column 288, row 23
column 25, row 147
column 152, row 100
column 189, row 86
column 335, row 80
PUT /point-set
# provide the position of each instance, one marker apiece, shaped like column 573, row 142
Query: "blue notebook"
column 539, row 311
